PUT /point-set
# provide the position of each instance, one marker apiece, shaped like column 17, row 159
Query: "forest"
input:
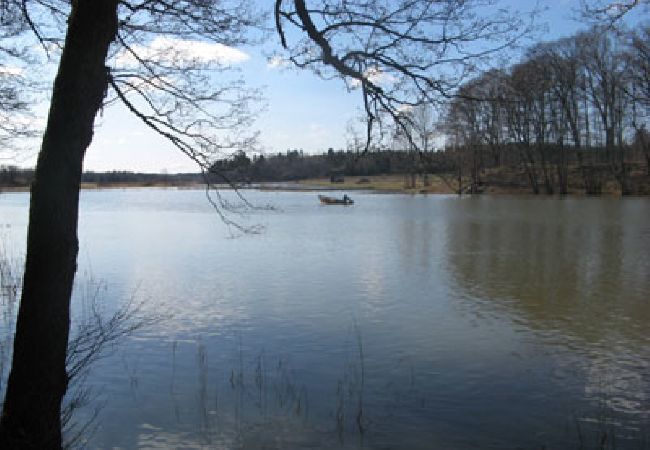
column 574, row 110
column 571, row 116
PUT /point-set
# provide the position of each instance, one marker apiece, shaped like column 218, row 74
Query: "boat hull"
column 335, row 201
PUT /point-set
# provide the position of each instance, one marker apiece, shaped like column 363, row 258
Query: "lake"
column 403, row 321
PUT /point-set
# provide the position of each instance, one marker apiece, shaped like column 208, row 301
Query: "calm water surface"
column 400, row 322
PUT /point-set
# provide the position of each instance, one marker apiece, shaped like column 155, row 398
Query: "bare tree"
column 399, row 54
column 609, row 12
column 566, row 68
column 113, row 49
column 605, row 73
column 15, row 103
column 423, row 123
column 639, row 88
column 415, row 136
column 465, row 119
column 578, row 101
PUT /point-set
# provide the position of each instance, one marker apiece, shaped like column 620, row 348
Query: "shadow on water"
column 261, row 401
column 480, row 323
column 95, row 333
column 10, row 286
column 577, row 276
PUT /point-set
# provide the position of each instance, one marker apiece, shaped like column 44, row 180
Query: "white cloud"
column 278, row 62
column 11, row 70
column 181, row 51
column 22, row 121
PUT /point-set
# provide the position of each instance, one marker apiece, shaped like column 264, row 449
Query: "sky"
column 301, row 110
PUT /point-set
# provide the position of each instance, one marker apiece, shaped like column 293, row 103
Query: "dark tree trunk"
column 38, row 379
column 548, row 182
column 529, row 166
column 562, row 169
column 460, row 173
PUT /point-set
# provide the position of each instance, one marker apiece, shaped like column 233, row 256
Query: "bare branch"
column 607, row 12
column 399, row 54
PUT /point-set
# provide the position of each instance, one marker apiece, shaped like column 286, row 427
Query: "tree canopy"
column 399, row 54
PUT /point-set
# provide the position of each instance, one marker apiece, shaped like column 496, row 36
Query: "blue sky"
column 302, row 110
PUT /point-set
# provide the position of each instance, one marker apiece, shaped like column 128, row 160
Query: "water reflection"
column 582, row 272
column 576, row 272
column 404, row 322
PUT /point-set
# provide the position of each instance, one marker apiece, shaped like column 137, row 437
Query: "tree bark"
column 38, row 378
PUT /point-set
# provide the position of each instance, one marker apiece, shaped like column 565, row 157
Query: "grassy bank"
column 513, row 181
column 382, row 183
column 492, row 181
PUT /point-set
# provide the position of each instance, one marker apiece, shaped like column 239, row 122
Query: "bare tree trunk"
column 476, row 169
column 645, row 145
column 583, row 170
column 408, row 180
column 621, row 172
column 548, row 182
column 529, row 165
column 460, row 173
column 563, row 169
column 38, row 379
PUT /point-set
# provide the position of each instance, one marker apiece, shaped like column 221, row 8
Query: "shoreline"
column 379, row 184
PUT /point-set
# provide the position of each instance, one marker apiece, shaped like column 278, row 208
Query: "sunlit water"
column 401, row 322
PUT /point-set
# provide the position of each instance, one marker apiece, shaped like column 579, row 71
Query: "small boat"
column 335, row 201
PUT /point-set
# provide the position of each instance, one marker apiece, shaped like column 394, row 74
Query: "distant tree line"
column 575, row 108
column 296, row 165
column 289, row 166
column 13, row 176
column 572, row 115
column 127, row 177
